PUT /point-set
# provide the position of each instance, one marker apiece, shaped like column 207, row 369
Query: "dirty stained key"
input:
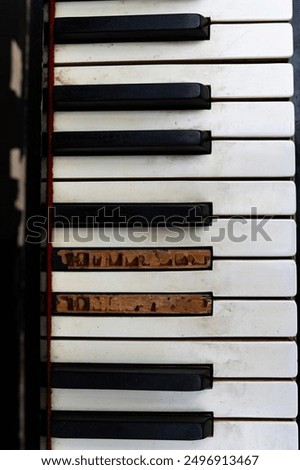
column 133, row 304
column 131, row 259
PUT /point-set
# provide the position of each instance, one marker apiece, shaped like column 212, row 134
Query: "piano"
column 168, row 274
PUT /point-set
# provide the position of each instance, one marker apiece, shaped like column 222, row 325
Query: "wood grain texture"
column 133, row 304
column 97, row 259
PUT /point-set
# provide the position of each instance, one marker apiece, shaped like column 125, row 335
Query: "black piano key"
column 132, row 97
column 131, row 377
column 129, row 425
column 168, row 142
column 172, row 27
column 130, row 215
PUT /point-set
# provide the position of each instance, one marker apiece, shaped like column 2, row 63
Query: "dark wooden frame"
column 32, row 251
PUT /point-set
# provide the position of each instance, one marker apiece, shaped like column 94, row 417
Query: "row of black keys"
column 130, row 425
column 167, row 27
column 187, row 426
column 132, row 97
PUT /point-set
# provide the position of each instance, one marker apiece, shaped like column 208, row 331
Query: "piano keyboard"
column 170, row 277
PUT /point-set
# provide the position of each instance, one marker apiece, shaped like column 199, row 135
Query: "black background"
column 12, row 26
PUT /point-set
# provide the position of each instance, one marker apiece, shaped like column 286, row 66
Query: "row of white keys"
column 224, row 120
column 252, row 41
column 230, row 318
column 249, row 159
column 227, row 81
column 218, row 10
column 246, row 198
column 227, row 399
column 227, row 279
column 229, row 434
column 230, row 359
column 229, row 159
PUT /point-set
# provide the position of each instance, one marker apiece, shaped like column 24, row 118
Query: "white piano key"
column 226, row 81
column 227, row 42
column 235, row 318
column 236, row 435
column 226, row 279
column 218, row 10
column 240, row 159
column 242, row 399
column 242, row 119
column 231, row 359
column 228, row 197
column 228, row 237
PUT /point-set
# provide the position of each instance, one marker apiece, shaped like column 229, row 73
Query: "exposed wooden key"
column 96, row 259
column 132, row 304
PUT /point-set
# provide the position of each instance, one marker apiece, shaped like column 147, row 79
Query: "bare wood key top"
column 178, row 304
column 131, row 259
